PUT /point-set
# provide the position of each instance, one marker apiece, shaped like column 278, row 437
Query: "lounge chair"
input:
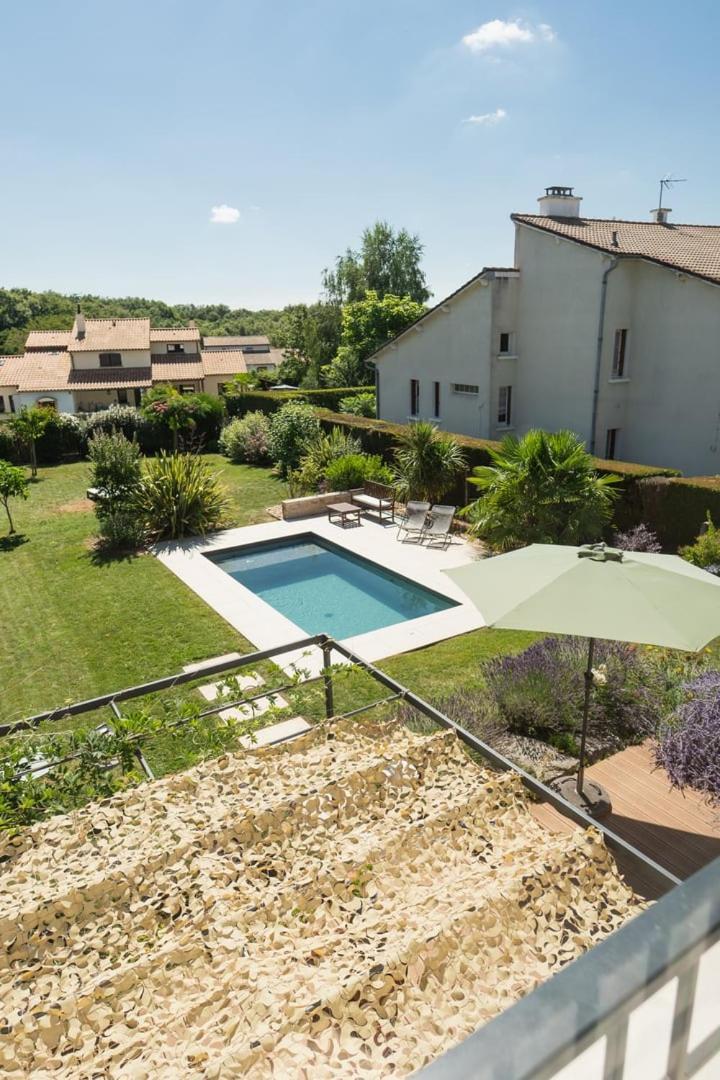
column 439, row 526
column 413, row 523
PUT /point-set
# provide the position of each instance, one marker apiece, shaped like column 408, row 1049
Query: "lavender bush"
column 641, row 538
column 539, row 692
column 688, row 746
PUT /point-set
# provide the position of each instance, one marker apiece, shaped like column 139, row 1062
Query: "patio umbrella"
column 595, row 592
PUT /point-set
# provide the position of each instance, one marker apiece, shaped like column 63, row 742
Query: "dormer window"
column 176, row 346
column 110, row 359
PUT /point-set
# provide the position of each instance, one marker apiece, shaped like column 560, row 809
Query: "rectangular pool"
column 323, row 588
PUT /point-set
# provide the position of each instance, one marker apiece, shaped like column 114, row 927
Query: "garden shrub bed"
column 242, row 401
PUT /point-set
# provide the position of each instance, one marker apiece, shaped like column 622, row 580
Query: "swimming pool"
column 323, row 588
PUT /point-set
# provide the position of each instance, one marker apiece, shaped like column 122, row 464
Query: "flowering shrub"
column 246, row 438
column 688, row 747
column 539, row 692
column 641, row 538
column 706, row 549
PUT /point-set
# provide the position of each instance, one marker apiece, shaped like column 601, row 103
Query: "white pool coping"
column 266, row 628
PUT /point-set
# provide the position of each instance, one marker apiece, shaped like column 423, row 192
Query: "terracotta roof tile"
column 694, row 249
column 224, row 362
column 118, row 334
column 234, row 342
column 170, row 370
column 109, row 378
column 47, row 339
column 53, row 371
column 174, row 333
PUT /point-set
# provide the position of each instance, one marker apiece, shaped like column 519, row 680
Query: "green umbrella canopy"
column 596, row 592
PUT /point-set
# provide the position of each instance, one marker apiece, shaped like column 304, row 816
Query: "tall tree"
column 387, row 262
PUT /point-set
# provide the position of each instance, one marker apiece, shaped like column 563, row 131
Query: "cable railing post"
column 328, row 680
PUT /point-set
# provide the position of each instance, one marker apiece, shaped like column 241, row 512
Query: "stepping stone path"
column 268, row 736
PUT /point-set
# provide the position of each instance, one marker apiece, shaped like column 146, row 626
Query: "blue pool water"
column 324, row 589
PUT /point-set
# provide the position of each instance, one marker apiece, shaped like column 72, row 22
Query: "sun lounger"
column 413, row 521
column 437, row 530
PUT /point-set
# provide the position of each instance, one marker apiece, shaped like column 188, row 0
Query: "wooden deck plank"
column 676, row 829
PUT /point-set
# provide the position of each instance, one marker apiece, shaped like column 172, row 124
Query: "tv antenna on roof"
column 667, row 182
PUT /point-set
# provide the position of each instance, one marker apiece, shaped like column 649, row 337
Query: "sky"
column 227, row 150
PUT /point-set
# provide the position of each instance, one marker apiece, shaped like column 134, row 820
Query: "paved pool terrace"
column 265, row 627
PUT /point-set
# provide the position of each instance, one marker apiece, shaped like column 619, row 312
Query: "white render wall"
column 132, row 358
column 452, row 346
column 63, row 399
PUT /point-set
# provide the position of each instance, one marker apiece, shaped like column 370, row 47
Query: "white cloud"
column 224, row 214
column 500, row 34
column 487, row 118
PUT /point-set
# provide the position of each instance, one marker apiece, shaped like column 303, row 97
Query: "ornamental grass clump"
column 539, row 692
column 179, row 496
column 688, row 746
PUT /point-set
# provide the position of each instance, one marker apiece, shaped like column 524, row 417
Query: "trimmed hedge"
column 379, row 437
column 269, row 401
column 676, row 507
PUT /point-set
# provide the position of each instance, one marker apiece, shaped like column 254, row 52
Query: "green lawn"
column 74, row 626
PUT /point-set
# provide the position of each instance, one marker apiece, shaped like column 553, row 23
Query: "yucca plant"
column 541, row 489
column 179, row 496
column 427, row 462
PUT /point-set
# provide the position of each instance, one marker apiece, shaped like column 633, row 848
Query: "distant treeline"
column 22, row 310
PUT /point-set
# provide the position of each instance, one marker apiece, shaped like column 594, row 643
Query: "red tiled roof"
column 112, row 334
column 174, row 333
column 224, row 362
column 694, row 249
column 109, row 378
column 54, row 371
column 47, row 339
column 169, row 370
column 235, row 342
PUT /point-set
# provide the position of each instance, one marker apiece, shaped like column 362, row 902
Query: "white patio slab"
column 276, row 733
column 266, row 628
column 200, row 665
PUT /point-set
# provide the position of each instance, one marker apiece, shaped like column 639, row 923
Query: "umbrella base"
column 594, row 799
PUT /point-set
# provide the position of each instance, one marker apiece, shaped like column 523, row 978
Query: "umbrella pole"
column 586, row 711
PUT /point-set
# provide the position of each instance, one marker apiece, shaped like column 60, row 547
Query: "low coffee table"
column 345, row 512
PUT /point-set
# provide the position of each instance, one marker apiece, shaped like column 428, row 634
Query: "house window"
column 176, row 346
column 187, row 389
column 46, row 403
column 110, row 359
column 464, row 388
column 2, row 403
column 504, row 416
column 137, row 394
column 611, row 437
column 436, row 400
column 414, row 397
column 619, row 366
column 504, row 342
column 122, row 397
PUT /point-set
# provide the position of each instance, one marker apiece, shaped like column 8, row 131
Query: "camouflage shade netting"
column 349, row 904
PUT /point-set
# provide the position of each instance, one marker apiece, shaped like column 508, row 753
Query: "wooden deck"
column 678, row 830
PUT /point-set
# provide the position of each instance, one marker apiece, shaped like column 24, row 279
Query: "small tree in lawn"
column 166, row 406
column 29, row 425
column 13, row 485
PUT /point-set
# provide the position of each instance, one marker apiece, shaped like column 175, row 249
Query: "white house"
column 610, row 328
column 102, row 362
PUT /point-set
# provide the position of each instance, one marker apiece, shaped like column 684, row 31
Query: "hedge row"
column 379, row 437
column 676, row 507
column 240, row 402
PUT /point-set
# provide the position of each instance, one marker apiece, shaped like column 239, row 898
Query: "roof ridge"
column 614, row 221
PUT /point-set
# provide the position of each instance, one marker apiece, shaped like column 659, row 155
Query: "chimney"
column 79, row 324
column 559, row 202
column 661, row 215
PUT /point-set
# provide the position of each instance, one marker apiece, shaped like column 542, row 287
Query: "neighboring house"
column 610, row 328
column 102, row 362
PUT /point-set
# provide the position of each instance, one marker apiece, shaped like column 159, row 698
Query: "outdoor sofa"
column 376, row 499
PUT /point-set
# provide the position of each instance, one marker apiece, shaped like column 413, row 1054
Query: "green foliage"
column 358, row 404
column 706, row 549
column 195, row 418
column 426, row 463
column 64, row 436
column 119, row 528
column 353, row 470
column 292, row 429
column 29, row 425
column 309, row 336
column 238, row 403
column 371, row 321
column 13, row 485
column 246, row 438
column 115, row 467
column 541, row 489
column 387, row 262
column 320, row 453
column 179, row 496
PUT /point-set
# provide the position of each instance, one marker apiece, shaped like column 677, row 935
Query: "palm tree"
column 541, row 489
column 28, row 425
column 427, row 462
